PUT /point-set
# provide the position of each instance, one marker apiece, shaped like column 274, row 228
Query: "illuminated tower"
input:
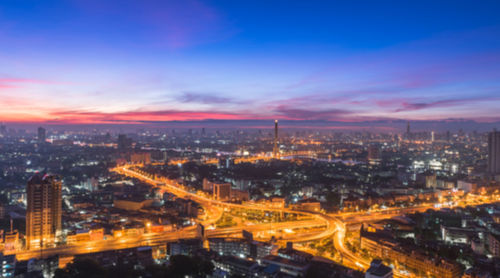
column 43, row 211
column 494, row 152
column 275, row 148
column 408, row 131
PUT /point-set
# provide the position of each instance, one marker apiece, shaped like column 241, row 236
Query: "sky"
column 133, row 62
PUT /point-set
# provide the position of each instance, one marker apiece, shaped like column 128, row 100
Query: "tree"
column 333, row 199
column 181, row 266
column 82, row 268
column 157, row 271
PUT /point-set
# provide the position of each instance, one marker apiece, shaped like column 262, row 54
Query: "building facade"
column 412, row 259
column 494, row 152
column 222, row 191
column 43, row 212
column 41, row 135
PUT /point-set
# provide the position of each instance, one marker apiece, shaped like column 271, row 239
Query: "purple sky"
column 154, row 61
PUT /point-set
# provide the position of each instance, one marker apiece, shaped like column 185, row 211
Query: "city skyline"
column 86, row 62
column 222, row 138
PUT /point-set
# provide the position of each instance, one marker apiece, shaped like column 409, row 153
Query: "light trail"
column 334, row 224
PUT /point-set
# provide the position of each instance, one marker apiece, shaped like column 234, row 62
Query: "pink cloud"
column 17, row 82
column 14, row 83
column 142, row 116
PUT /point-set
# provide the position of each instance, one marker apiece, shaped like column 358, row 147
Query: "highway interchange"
column 322, row 225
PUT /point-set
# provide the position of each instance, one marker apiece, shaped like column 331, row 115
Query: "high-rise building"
column 41, row 135
column 373, row 154
column 3, row 129
column 222, row 191
column 430, row 180
column 494, row 152
column 275, row 147
column 397, row 139
column 433, row 136
column 207, row 185
column 124, row 142
column 43, row 212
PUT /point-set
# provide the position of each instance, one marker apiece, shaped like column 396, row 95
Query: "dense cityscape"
column 246, row 203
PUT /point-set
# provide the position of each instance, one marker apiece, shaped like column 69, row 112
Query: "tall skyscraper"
column 494, row 152
column 124, row 143
column 41, row 135
column 275, row 148
column 43, row 212
column 373, row 154
column 3, row 129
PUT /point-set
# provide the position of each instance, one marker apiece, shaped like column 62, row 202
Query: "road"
column 214, row 209
column 334, row 225
column 352, row 260
column 154, row 239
